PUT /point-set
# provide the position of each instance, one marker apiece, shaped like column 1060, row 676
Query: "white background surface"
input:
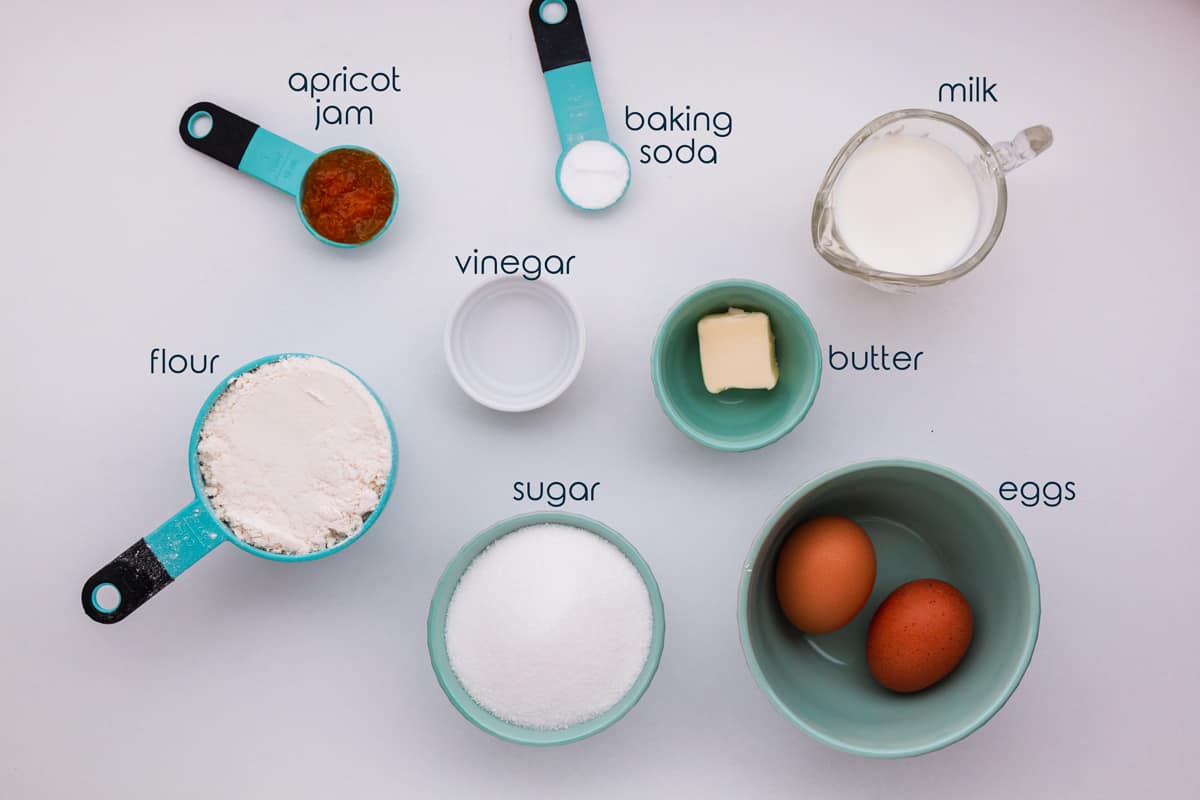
column 1069, row 355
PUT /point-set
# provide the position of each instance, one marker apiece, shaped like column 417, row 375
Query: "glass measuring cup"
column 157, row 559
column 987, row 164
column 592, row 173
column 247, row 147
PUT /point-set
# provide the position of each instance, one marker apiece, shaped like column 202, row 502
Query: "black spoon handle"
column 229, row 137
column 559, row 44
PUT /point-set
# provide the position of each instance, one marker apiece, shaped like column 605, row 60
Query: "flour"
column 549, row 626
column 295, row 455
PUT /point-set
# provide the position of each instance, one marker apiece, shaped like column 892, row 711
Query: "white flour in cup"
column 549, row 626
column 295, row 455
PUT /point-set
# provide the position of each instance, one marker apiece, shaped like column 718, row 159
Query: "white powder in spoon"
column 295, row 455
column 594, row 174
column 549, row 626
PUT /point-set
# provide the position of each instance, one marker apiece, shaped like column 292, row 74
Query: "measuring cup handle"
column 229, row 137
column 559, row 44
column 1025, row 147
column 567, row 67
column 247, row 147
column 152, row 563
column 136, row 574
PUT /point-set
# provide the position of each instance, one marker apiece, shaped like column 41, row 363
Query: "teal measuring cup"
column 248, row 147
column 157, row 559
column 593, row 172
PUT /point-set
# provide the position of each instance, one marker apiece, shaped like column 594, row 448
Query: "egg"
column 825, row 573
column 919, row 635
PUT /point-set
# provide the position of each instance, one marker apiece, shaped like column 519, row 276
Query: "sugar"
column 549, row 627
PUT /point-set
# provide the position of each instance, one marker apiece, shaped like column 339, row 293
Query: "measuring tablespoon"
column 593, row 173
column 305, row 175
column 156, row 560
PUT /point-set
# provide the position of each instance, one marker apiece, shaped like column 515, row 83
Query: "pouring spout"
column 1025, row 146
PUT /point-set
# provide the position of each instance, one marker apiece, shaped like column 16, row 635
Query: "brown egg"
column 919, row 635
column 825, row 574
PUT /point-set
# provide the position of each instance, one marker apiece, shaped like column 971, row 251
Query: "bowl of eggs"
column 889, row 608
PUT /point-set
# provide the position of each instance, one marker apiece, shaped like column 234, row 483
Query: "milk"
column 906, row 204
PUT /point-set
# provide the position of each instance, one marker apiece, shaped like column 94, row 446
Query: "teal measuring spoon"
column 592, row 173
column 250, row 148
column 156, row 560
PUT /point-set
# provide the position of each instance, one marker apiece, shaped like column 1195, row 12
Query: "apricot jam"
column 347, row 195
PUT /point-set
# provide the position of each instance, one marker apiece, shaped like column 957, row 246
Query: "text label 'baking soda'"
column 703, row 129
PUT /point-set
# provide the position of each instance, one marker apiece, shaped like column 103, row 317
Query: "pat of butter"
column 737, row 351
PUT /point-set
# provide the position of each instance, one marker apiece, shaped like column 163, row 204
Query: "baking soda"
column 295, row 455
column 549, row 626
column 594, row 174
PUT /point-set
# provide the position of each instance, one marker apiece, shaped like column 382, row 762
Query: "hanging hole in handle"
column 200, row 124
column 106, row 598
column 552, row 12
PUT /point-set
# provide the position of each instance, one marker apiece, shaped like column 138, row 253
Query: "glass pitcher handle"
column 1025, row 146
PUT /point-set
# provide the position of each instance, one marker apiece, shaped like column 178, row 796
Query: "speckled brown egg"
column 825, row 573
column 919, row 635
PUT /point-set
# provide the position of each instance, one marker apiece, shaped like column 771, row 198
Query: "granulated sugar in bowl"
column 546, row 629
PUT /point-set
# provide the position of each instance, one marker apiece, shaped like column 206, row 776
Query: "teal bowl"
column 736, row 420
column 477, row 714
column 925, row 521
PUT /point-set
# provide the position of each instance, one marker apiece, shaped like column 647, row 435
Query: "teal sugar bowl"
column 476, row 714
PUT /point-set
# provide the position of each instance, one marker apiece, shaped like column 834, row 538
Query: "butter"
column 737, row 351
